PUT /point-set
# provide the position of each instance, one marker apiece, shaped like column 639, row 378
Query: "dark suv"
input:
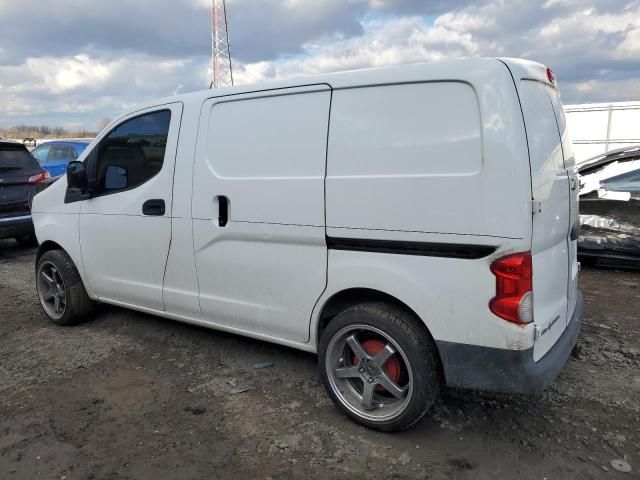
column 21, row 177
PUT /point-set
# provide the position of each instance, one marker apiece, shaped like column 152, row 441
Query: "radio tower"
column 220, row 53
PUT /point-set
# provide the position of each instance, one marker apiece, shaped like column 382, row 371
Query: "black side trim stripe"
column 425, row 249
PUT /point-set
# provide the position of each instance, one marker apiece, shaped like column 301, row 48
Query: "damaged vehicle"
column 310, row 213
column 610, row 209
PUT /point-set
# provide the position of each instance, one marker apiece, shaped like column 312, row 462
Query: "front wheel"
column 60, row 289
column 379, row 366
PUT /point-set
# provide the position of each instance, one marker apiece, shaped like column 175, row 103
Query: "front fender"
column 59, row 222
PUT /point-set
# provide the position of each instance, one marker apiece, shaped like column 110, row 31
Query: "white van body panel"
column 551, row 222
column 413, row 158
column 58, row 222
column 574, row 214
column 180, row 292
column 435, row 162
column 431, row 287
column 555, row 194
column 266, row 154
column 129, row 266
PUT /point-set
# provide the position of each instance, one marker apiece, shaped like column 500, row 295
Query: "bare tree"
column 103, row 123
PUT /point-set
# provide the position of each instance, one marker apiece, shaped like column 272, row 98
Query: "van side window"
column 133, row 152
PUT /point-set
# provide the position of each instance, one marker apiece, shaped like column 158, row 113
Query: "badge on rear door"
column 541, row 331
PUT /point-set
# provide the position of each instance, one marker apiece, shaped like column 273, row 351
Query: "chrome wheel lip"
column 52, row 291
column 346, row 391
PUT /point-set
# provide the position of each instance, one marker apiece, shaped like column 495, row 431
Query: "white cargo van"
column 415, row 226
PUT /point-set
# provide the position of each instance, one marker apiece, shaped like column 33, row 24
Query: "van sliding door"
column 258, row 210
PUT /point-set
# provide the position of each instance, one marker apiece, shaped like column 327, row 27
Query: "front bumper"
column 15, row 226
column 508, row 371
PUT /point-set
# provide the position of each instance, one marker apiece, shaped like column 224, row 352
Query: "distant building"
column 600, row 127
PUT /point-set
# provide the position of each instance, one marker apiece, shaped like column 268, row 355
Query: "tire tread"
column 388, row 314
column 79, row 305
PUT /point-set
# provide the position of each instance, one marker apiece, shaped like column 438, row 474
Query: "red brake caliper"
column 391, row 367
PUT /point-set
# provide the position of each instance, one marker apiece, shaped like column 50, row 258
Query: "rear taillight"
column 551, row 76
column 514, row 285
column 40, row 177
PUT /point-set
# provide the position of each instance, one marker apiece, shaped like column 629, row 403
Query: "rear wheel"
column 379, row 366
column 60, row 289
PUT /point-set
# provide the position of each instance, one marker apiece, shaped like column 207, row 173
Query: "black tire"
column 28, row 240
column 410, row 335
column 78, row 305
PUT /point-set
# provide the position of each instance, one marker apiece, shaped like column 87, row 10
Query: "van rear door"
column 574, row 187
column 551, row 221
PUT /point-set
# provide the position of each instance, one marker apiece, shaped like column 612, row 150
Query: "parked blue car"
column 54, row 156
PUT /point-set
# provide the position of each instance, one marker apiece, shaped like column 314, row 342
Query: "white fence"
column 600, row 127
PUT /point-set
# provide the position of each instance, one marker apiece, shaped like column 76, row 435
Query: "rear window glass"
column 545, row 149
column 567, row 143
column 16, row 158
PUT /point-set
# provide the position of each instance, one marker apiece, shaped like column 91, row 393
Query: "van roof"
column 408, row 73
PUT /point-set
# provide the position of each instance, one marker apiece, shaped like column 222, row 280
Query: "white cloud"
column 577, row 40
column 79, row 63
column 89, row 87
column 403, row 40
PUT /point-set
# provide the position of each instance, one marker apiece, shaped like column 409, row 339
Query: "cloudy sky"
column 74, row 62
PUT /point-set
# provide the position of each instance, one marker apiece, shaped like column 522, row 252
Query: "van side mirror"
column 77, row 176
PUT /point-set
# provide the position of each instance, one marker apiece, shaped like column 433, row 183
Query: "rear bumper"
column 15, row 226
column 508, row 371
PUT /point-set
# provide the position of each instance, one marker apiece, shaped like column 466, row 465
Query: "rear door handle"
column 575, row 231
column 154, row 207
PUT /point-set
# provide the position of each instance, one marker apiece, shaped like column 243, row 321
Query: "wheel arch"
column 49, row 245
column 349, row 297
column 45, row 247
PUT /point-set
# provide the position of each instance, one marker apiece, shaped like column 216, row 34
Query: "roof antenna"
column 221, row 70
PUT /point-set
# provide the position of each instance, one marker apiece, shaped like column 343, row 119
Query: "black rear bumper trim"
column 508, row 371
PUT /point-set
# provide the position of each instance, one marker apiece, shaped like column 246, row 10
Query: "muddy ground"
column 127, row 395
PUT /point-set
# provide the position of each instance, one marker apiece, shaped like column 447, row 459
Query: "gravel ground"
column 128, row 395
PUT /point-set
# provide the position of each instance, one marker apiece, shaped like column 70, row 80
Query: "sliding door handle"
column 223, row 211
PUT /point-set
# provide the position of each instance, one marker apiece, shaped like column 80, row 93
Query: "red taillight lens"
column 551, row 76
column 514, row 285
column 40, row 177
